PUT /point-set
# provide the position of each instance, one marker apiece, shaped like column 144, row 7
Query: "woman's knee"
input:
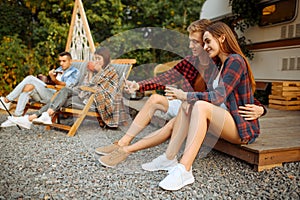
column 156, row 98
column 28, row 88
column 158, row 101
column 202, row 106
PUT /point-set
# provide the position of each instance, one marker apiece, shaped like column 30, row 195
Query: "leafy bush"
column 13, row 65
column 32, row 33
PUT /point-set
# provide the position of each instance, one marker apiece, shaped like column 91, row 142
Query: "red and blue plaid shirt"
column 186, row 71
column 234, row 90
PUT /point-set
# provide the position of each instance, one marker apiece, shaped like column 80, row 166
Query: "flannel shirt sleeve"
column 256, row 102
column 232, row 72
column 171, row 76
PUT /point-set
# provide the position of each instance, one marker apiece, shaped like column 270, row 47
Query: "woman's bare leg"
column 179, row 133
column 155, row 102
column 220, row 122
column 154, row 139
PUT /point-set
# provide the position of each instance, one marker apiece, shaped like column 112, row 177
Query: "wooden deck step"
column 279, row 141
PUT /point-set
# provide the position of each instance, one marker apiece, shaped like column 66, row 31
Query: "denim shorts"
column 172, row 112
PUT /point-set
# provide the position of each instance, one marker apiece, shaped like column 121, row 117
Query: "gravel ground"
column 39, row 164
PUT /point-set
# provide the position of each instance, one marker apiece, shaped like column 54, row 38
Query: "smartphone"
column 58, row 71
column 124, row 77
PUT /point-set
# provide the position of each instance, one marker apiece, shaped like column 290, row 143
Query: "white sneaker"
column 178, row 177
column 43, row 119
column 7, row 123
column 160, row 163
column 21, row 121
column 7, row 105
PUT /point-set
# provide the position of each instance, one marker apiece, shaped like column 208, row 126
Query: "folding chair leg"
column 79, row 120
column 8, row 112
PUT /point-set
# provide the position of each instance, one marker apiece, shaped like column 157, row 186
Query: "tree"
column 39, row 29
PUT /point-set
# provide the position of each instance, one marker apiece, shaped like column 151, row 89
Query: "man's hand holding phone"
column 131, row 86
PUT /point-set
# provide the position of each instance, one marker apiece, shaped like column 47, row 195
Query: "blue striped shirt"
column 70, row 76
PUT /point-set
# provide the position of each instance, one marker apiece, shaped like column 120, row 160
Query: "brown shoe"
column 107, row 149
column 114, row 158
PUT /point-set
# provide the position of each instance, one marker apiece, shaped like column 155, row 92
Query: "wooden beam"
column 86, row 26
column 71, row 29
column 79, row 6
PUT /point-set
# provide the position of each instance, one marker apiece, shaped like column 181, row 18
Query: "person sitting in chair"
column 100, row 74
column 65, row 75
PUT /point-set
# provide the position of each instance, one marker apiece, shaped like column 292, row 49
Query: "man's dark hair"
column 65, row 53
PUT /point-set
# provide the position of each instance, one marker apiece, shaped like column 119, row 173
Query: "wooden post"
column 78, row 6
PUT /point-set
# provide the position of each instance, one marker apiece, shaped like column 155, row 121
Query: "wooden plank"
column 267, row 144
column 282, row 88
column 279, row 157
column 261, row 161
column 286, row 93
column 282, row 102
column 61, row 126
column 279, row 97
column 260, row 168
column 79, row 120
column 236, row 151
column 291, row 83
column 279, row 114
column 283, row 107
column 78, row 112
column 287, row 83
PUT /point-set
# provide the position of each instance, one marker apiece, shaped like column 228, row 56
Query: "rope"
column 80, row 49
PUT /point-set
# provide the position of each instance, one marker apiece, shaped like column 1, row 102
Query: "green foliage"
column 14, row 18
column 245, row 14
column 12, row 64
column 33, row 32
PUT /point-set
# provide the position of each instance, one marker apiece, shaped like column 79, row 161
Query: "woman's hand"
column 251, row 111
column 174, row 93
column 131, row 86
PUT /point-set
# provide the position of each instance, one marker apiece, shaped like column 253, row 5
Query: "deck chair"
column 88, row 110
column 35, row 105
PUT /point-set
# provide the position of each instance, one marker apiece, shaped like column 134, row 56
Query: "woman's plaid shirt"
column 234, row 90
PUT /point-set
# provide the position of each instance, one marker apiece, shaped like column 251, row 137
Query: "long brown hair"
column 230, row 45
column 105, row 53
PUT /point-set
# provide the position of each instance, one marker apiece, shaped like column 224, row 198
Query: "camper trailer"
column 275, row 41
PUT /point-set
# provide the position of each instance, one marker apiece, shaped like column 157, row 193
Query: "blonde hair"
column 230, row 45
column 198, row 25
